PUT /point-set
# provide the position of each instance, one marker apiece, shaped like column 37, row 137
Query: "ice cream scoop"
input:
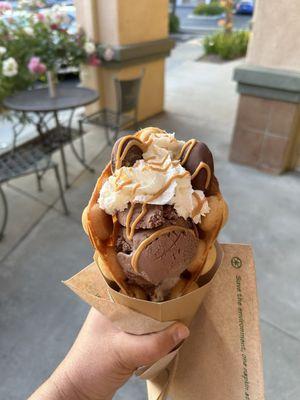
column 126, row 152
column 198, row 160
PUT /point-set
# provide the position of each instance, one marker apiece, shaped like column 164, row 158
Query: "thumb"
column 136, row 350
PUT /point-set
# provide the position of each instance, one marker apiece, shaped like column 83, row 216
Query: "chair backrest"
column 127, row 92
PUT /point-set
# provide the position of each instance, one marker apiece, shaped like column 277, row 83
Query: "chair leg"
column 5, row 208
column 39, row 181
column 81, row 141
column 61, row 192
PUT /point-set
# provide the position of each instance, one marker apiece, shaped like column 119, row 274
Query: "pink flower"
column 40, row 17
column 5, row 6
column 35, row 66
column 94, row 60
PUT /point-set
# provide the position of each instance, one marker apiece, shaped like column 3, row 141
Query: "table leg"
column 65, row 168
column 75, row 152
column 62, row 153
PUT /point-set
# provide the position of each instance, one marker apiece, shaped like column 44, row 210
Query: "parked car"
column 245, row 7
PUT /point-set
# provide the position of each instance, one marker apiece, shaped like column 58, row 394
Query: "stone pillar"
column 266, row 133
column 137, row 33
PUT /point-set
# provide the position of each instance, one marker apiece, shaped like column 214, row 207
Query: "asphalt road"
column 206, row 25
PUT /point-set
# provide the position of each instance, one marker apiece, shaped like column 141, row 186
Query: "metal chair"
column 127, row 95
column 27, row 159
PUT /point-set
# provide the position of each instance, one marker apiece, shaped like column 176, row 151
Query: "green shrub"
column 173, row 23
column 214, row 8
column 227, row 45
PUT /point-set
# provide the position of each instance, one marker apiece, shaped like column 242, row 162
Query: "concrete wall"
column 275, row 42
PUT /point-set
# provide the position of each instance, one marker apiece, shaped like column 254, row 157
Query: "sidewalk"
column 39, row 317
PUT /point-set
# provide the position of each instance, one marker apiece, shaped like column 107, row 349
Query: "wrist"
column 64, row 386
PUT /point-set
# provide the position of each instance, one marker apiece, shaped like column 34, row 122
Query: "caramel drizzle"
column 134, row 142
column 123, row 184
column 163, row 169
column 160, row 162
column 187, row 145
column 198, row 206
column 130, row 229
column 208, row 173
column 151, row 238
column 168, row 183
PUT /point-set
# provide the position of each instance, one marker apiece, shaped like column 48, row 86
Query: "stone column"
column 137, row 34
column 266, row 133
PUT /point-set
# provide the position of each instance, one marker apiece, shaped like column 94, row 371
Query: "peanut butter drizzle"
column 208, row 172
column 188, row 145
column 151, row 238
column 130, row 229
column 168, row 183
column 160, row 162
column 123, row 184
column 134, row 142
column 199, row 205
column 162, row 169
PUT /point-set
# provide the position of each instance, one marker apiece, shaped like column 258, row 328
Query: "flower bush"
column 33, row 43
column 227, row 44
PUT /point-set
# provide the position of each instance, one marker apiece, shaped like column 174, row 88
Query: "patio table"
column 37, row 102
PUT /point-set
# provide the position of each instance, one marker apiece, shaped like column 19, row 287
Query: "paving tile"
column 281, row 355
column 39, row 317
column 23, row 214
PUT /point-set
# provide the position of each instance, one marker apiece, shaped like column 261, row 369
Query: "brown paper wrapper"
column 222, row 357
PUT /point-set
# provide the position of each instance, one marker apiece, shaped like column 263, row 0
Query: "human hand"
column 103, row 358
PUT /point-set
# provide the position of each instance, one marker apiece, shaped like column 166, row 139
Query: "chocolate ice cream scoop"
column 126, row 151
column 193, row 155
column 152, row 219
column 167, row 256
column 147, row 261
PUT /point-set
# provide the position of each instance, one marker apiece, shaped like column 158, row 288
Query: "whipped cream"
column 146, row 179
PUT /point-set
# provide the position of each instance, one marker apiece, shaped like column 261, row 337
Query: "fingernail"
column 180, row 333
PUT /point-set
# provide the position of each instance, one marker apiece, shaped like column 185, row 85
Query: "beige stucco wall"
column 148, row 21
column 275, row 42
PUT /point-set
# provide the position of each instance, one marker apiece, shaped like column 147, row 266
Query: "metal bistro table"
column 41, row 110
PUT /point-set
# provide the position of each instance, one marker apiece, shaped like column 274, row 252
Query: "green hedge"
column 173, row 23
column 214, row 8
column 227, row 45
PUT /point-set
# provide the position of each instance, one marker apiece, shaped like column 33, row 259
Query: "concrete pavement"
column 39, row 317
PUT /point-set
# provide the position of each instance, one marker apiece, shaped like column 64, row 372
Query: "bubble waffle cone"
column 106, row 258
